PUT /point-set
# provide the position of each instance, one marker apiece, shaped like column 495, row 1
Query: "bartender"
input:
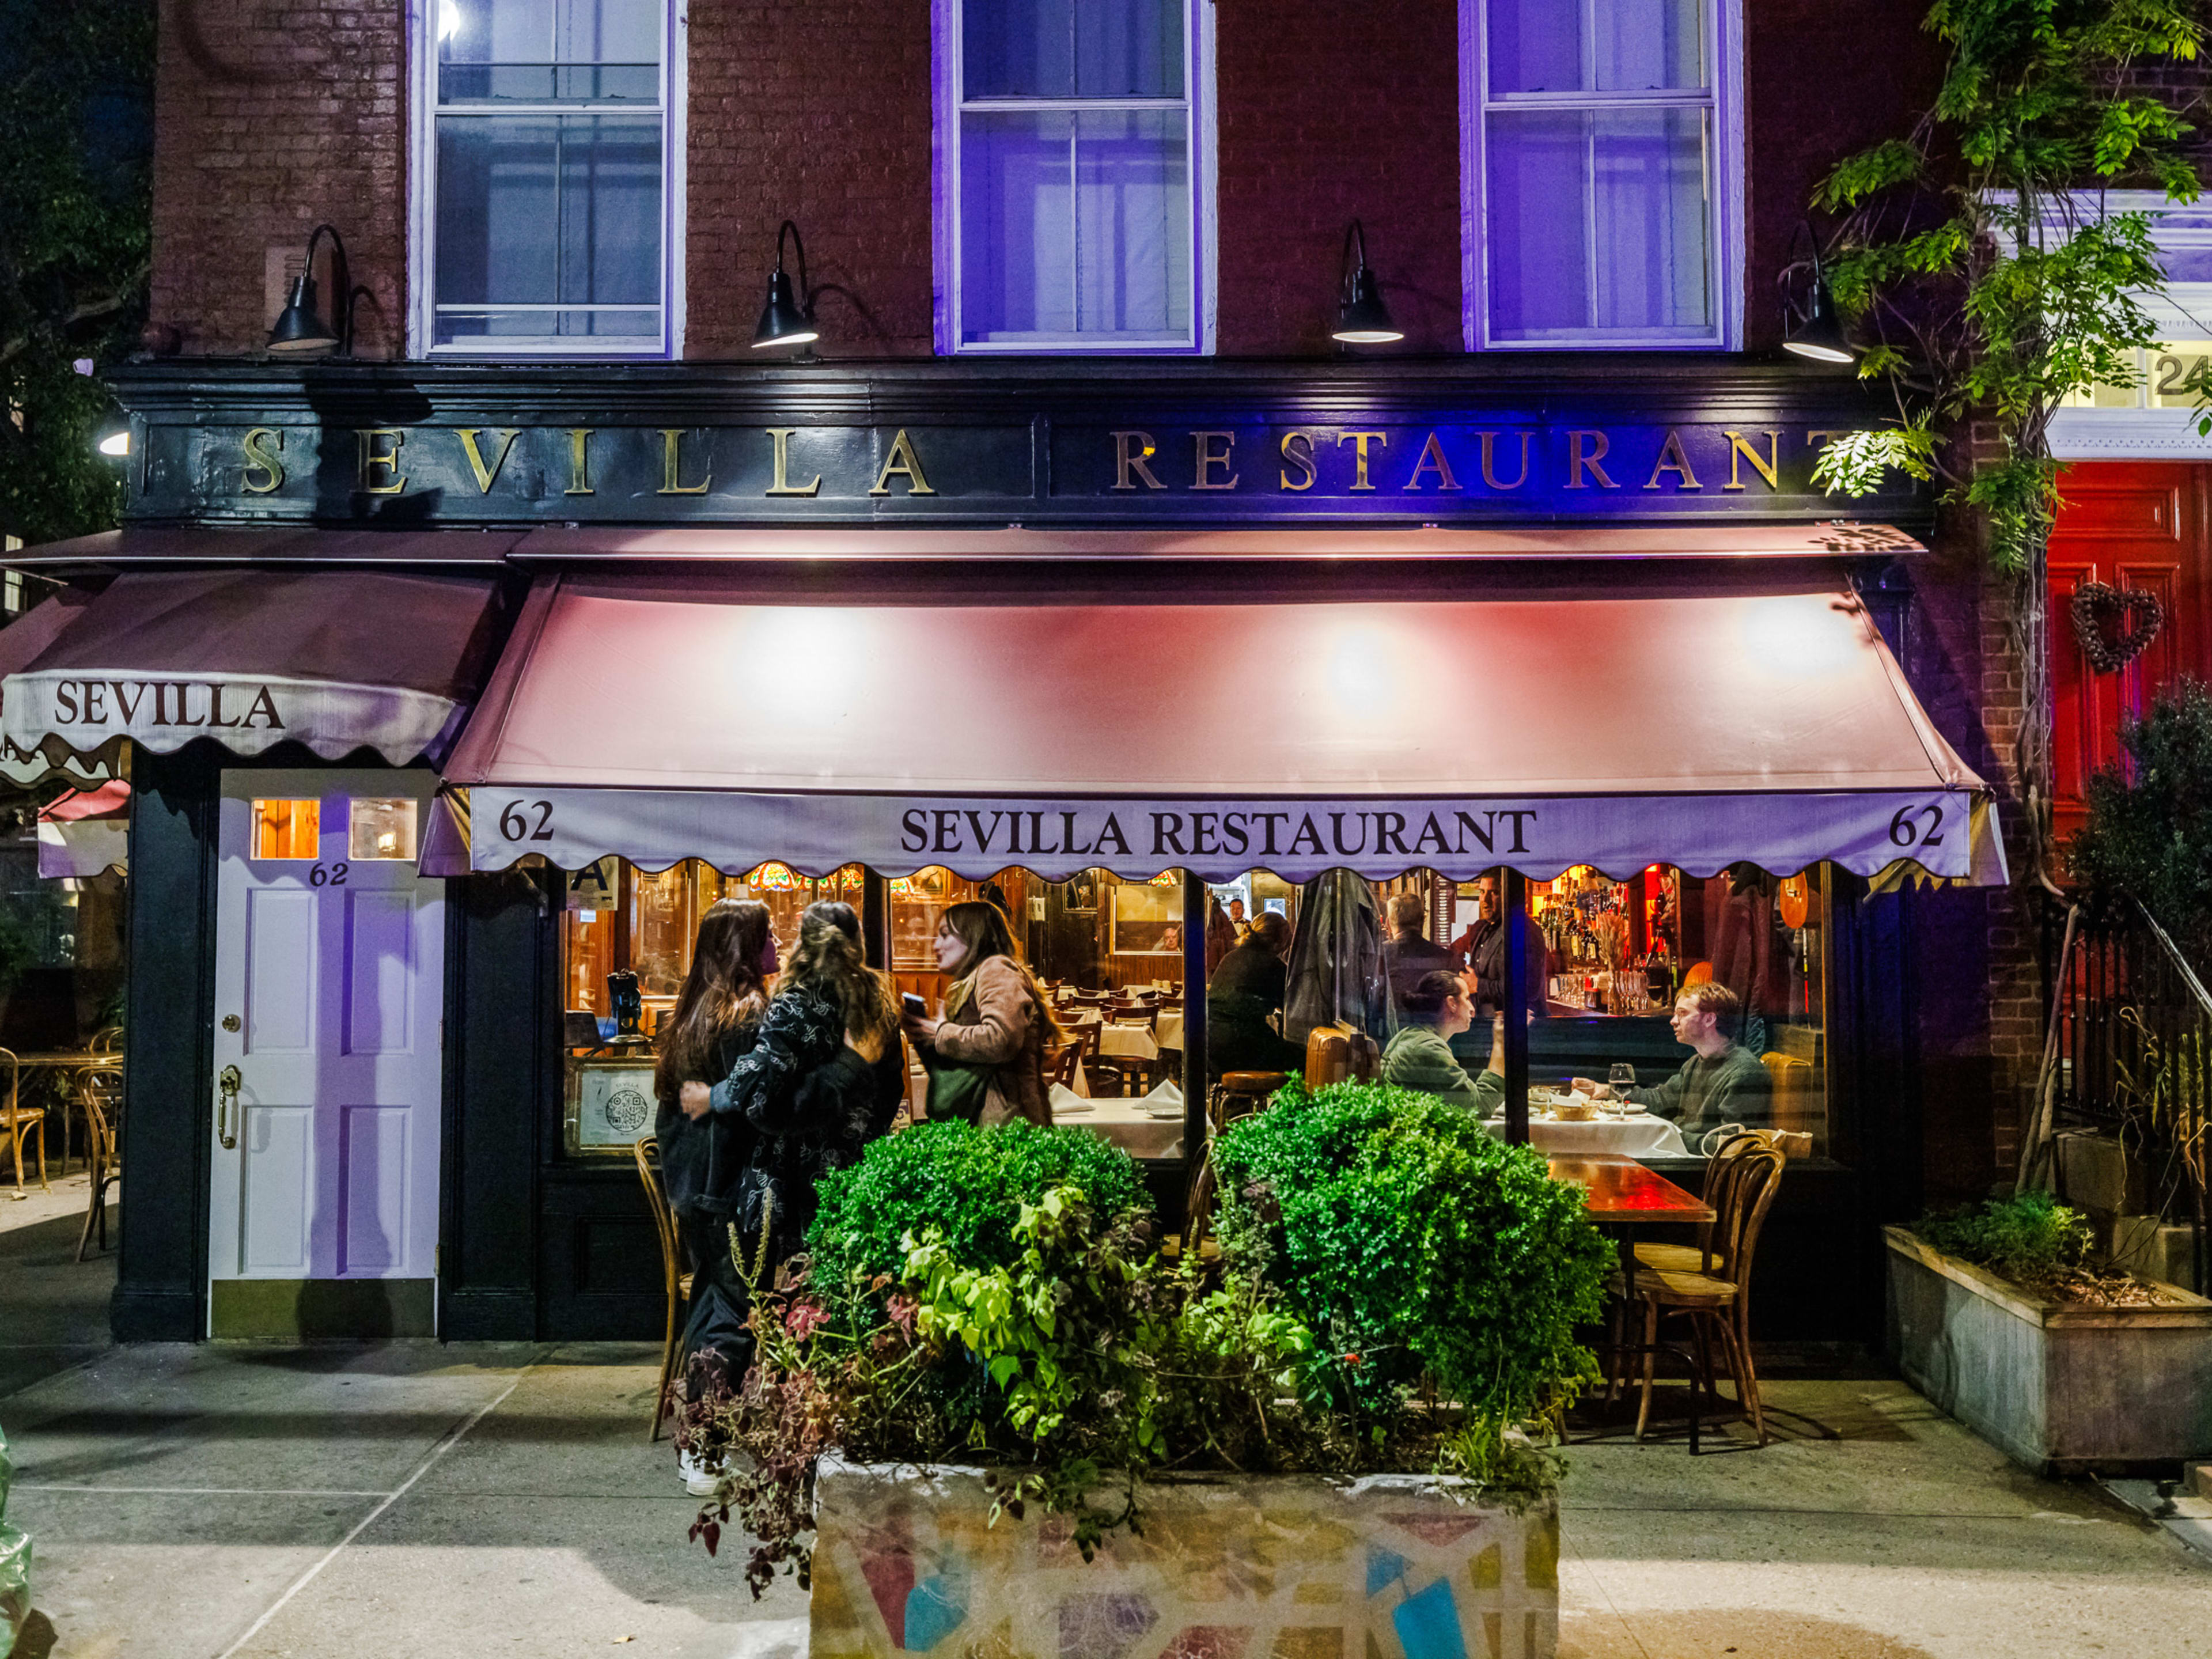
column 1483, row 948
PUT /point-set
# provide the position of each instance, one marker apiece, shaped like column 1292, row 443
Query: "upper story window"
column 543, row 214
column 1073, row 174
column 1602, row 184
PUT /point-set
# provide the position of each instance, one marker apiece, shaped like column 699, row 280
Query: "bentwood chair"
column 99, row 1098
column 1716, row 1302
column 1698, row 1258
column 17, row 1121
column 676, row 1284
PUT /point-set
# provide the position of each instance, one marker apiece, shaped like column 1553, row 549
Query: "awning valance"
column 337, row 660
column 21, row 640
column 662, row 725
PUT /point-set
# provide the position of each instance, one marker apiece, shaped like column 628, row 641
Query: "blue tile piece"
column 1428, row 1625
column 1384, row 1568
column 935, row 1608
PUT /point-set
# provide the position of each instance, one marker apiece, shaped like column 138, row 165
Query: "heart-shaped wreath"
column 2135, row 616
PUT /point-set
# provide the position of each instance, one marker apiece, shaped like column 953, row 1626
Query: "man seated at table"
column 1438, row 1008
column 1723, row 1082
column 1408, row 956
column 1244, row 991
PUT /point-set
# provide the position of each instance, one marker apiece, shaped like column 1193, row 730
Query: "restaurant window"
column 1602, row 190
column 1075, row 175
column 545, row 224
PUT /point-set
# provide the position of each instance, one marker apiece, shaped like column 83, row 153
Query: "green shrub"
column 2030, row 1238
column 968, row 1183
column 1416, row 1244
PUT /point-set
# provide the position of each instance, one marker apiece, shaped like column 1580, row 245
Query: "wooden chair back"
column 1791, row 1081
column 648, row 1152
column 1335, row 1052
column 1747, row 1191
column 1061, row 1061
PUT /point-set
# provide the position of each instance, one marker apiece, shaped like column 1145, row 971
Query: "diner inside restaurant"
column 1605, row 962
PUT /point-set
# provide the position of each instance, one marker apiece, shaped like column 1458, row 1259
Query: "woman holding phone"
column 986, row 1055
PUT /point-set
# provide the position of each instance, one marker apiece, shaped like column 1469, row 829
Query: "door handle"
column 226, row 1083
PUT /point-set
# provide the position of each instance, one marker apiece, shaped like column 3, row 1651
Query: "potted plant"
column 1996, row 1316
column 992, row 1417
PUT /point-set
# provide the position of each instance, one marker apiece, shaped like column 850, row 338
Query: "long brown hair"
column 723, row 989
column 982, row 929
column 829, row 960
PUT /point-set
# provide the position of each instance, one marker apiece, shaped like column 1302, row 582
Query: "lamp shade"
column 1818, row 333
column 782, row 320
column 1363, row 320
column 299, row 329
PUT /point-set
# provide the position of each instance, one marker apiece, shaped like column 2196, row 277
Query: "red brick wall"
column 270, row 119
column 817, row 113
column 1823, row 81
column 1327, row 114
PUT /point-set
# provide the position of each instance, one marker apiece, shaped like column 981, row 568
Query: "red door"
column 2130, row 524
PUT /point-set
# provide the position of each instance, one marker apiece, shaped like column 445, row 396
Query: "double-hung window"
column 545, row 221
column 1601, row 177
column 1072, row 174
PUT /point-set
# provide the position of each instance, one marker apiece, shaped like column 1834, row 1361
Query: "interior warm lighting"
column 381, row 828
column 288, row 829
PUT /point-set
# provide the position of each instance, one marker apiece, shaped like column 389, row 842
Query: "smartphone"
column 915, row 1008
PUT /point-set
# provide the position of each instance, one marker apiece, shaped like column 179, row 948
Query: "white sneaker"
column 697, row 1477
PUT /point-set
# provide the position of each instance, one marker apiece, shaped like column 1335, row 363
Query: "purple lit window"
column 1067, row 208
column 1599, row 219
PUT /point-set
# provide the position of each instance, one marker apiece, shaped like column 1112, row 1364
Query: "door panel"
column 331, row 967
column 379, row 968
column 280, row 968
column 278, row 1185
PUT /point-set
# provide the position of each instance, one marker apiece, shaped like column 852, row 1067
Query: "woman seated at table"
column 1437, row 1009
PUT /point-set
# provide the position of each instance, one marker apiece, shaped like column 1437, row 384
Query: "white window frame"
column 1725, row 235
column 947, row 65
column 422, row 204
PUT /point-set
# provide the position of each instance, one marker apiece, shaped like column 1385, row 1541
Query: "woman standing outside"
column 825, row 1077
column 996, row 1021
column 716, row 1019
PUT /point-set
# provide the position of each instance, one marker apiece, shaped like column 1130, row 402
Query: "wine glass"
column 1622, row 1079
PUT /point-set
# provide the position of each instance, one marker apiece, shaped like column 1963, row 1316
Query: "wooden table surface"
column 1619, row 1189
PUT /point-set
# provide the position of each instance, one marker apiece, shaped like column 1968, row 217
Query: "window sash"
column 440, row 308
column 1719, row 162
column 958, row 333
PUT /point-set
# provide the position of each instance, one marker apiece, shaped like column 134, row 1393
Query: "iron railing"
column 2132, row 1054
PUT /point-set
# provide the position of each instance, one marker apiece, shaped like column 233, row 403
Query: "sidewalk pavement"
column 244, row 1502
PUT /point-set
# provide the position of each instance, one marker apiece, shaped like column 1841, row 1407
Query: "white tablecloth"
column 1126, row 1123
column 1133, row 1041
column 1631, row 1137
column 1168, row 1028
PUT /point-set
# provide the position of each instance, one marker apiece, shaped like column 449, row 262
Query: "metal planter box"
column 2058, row 1388
column 1261, row 1567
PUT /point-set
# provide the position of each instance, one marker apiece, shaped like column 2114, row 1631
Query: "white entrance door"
column 329, row 974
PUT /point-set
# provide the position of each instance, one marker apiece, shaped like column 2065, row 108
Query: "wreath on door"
column 2113, row 625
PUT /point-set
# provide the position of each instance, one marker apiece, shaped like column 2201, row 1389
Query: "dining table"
column 1641, row 1135
column 62, row 1060
column 1626, row 1199
column 1150, row 1127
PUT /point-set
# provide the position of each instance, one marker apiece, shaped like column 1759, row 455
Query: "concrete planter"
column 2058, row 1388
column 1252, row 1567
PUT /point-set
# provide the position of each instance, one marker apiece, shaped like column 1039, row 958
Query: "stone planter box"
column 2058, row 1388
column 1253, row 1567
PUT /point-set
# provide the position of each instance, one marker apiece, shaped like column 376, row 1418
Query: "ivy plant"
column 1987, row 283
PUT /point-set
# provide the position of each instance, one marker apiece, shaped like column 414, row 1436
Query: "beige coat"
column 1001, row 1028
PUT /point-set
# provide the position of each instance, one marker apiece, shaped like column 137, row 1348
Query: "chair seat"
column 1675, row 1289
column 1671, row 1258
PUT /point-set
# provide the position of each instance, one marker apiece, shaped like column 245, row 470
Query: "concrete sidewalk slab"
column 230, row 1502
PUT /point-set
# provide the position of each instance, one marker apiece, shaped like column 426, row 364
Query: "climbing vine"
column 1987, row 282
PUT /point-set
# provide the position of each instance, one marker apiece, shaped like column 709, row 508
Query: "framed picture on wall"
column 1147, row 921
column 610, row 1103
column 1082, row 896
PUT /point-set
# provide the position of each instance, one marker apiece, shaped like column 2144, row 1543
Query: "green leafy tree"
column 75, row 94
column 2149, row 831
column 1978, row 263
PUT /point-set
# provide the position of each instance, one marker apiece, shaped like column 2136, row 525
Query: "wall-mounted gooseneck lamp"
column 787, row 319
column 301, row 330
column 1362, row 319
column 1813, row 329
